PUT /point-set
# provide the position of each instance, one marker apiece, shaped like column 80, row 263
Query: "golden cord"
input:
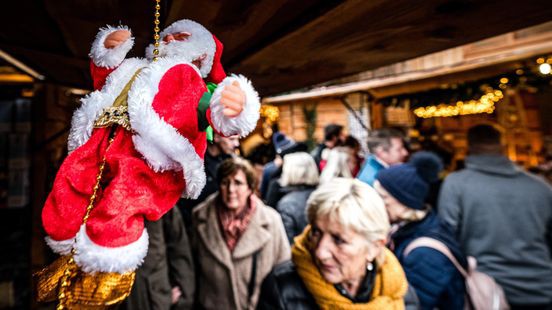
column 156, row 30
column 71, row 270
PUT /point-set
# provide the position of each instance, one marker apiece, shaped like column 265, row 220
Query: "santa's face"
column 189, row 42
column 169, row 47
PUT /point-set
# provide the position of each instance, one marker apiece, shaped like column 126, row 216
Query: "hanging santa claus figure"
column 137, row 143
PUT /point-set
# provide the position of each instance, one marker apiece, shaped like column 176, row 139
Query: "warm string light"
column 156, row 30
column 272, row 113
column 485, row 104
column 545, row 65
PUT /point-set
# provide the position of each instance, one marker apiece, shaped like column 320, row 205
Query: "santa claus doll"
column 137, row 142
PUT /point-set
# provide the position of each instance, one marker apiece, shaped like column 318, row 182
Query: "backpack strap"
column 438, row 246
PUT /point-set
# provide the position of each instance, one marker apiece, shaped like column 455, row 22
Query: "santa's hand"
column 116, row 38
column 232, row 99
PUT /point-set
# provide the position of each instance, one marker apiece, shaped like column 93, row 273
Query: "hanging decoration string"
column 156, row 30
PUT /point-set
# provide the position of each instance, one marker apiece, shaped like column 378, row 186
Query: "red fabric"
column 210, row 121
column 131, row 190
column 217, row 73
column 180, row 90
column 99, row 75
column 359, row 162
column 322, row 164
column 233, row 224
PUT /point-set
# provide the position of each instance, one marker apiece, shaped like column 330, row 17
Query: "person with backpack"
column 437, row 281
column 502, row 216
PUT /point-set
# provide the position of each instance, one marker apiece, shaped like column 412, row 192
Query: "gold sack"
column 90, row 291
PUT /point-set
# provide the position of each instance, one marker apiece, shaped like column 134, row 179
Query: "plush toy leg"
column 65, row 207
column 114, row 239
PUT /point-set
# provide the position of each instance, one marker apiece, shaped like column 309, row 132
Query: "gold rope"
column 71, row 270
column 156, row 30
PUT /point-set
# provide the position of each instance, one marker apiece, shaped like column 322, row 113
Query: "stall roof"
column 280, row 45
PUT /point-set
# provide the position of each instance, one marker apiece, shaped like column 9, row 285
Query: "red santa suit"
column 148, row 167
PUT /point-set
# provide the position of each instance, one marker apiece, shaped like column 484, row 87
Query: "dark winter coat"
column 436, row 280
column 276, row 192
column 292, row 210
column 169, row 263
column 270, row 172
column 283, row 289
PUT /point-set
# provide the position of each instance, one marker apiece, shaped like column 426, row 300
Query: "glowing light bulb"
column 545, row 68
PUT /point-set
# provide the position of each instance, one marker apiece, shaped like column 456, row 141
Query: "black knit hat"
column 409, row 183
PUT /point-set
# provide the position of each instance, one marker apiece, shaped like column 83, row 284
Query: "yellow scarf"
column 389, row 288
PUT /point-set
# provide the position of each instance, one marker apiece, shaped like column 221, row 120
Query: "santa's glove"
column 246, row 121
column 110, row 53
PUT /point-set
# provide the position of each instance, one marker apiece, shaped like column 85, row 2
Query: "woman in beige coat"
column 237, row 240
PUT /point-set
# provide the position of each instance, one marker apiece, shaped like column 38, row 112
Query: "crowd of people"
column 331, row 229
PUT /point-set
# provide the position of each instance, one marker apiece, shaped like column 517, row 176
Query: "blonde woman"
column 340, row 260
column 300, row 177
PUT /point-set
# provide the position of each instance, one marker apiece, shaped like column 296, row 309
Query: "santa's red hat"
column 217, row 73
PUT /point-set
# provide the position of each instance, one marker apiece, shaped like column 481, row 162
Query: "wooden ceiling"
column 281, row 45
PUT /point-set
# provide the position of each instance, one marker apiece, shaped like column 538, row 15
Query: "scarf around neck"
column 389, row 289
column 233, row 224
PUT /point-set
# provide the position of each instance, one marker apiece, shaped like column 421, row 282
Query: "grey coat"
column 169, row 263
column 502, row 216
column 223, row 276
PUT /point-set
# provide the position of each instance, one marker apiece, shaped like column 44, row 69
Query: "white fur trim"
column 109, row 57
column 62, row 247
column 199, row 43
column 93, row 104
column 91, row 257
column 161, row 144
column 246, row 121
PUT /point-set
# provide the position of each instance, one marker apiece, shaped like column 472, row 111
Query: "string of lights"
column 485, row 104
column 475, row 97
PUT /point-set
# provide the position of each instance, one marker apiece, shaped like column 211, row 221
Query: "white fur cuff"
column 109, row 57
column 91, row 257
column 246, row 121
column 62, row 247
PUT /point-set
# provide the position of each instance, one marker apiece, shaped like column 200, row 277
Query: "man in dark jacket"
column 502, row 216
column 166, row 278
column 333, row 136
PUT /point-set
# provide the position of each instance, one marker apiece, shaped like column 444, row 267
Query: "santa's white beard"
column 186, row 51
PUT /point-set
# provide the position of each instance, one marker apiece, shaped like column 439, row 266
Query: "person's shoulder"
column 285, row 278
column 425, row 259
column 459, row 174
column 283, row 288
column 537, row 181
column 285, row 269
column 268, row 213
column 200, row 211
column 288, row 200
column 458, row 178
